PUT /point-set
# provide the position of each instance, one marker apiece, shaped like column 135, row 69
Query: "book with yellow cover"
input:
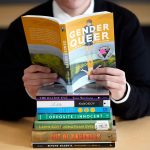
column 72, row 49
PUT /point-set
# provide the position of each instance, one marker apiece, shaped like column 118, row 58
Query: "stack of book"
column 72, row 49
column 82, row 119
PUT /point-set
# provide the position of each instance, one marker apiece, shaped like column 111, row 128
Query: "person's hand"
column 111, row 78
column 36, row 76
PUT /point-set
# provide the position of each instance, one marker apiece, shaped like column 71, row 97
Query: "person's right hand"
column 36, row 76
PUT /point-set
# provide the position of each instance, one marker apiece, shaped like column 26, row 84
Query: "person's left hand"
column 111, row 78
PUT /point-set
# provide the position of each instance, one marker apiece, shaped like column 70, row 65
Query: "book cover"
column 71, row 49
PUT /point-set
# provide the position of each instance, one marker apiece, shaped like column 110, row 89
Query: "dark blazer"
column 131, row 56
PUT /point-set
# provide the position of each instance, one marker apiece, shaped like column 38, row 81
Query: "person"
column 129, row 82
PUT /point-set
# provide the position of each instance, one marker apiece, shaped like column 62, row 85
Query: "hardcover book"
column 75, row 103
column 73, row 144
column 73, row 97
column 74, row 125
column 72, row 49
column 79, row 116
column 74, row 136
column 72, row 110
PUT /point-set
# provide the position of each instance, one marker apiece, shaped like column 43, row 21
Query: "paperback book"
column 79, row 116
column 72, row 49
column 58, row 92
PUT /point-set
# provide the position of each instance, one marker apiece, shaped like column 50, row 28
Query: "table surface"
column 131, row 135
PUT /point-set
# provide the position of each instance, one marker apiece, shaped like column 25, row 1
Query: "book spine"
column 74, row 145
column 78, row 103
column 74, row 136
column 93, row 103
column 82, row 116
column 65, row 52
column 66, row 98
column 64, row 126
column 63, row 110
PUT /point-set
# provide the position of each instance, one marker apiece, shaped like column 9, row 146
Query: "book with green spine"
column 82, row 116
column 73, row 125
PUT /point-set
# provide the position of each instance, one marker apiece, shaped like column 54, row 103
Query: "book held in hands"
column 72, row 49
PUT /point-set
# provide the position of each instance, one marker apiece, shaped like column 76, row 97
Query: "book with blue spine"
column 70, row 110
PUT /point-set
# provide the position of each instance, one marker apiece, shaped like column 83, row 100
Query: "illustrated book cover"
column 72, row 49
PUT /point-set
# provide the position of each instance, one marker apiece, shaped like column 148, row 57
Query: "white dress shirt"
column 63, row 16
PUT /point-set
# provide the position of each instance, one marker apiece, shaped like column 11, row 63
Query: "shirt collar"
column 63, row 16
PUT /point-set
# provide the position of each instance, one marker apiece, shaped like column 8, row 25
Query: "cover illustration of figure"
column 104, row 53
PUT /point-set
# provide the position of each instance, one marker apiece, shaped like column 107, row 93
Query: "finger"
column 36, row 76
column 32, row 90
column 37, row 68
column 40, row 82
column 116, row 79
column 109, row 71
column 110, row 85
